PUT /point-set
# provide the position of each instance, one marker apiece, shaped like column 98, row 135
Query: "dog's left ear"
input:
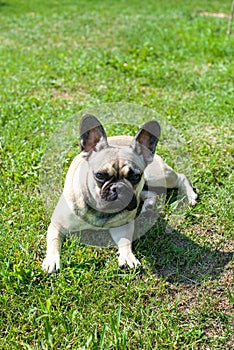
column 92, row 134
column 146, row 140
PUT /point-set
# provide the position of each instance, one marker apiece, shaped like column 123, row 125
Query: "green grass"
column 59, row 57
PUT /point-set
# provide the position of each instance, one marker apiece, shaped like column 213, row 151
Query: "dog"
column 105, row 185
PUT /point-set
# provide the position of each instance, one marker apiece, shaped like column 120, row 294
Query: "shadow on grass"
column 174, row 256
column 170, row 254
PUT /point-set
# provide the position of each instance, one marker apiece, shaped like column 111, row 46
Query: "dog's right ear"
column 146, row 140
column 92, row 134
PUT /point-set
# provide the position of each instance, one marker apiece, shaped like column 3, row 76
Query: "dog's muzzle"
column 121, row 196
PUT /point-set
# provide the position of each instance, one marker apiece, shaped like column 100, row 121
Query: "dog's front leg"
column 122, row 236
column 149, row 198
column 51, row 262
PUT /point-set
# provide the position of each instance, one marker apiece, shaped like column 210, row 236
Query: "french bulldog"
column 105, row 185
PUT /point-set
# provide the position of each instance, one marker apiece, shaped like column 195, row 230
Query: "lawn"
column 58, row 58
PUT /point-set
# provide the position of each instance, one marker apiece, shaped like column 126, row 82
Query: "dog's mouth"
column 116, row 197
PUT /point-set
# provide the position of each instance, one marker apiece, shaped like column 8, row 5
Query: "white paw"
column 192, row 198
column 148, row 206
column 128, row 258
column 51, row 263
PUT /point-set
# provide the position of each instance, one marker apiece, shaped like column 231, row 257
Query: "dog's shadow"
column 177, row 258
column 170, row 254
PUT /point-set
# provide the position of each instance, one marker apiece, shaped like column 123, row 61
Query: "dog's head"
column 115, row 177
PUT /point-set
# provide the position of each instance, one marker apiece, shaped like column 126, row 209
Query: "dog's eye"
column 134, row 178
column 100, row 176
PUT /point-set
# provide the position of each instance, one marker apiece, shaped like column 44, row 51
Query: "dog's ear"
column 146, row 140
column 92, row 134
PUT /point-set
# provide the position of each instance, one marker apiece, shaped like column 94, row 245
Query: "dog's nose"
column 113, row 194
column 125, row 194
column 110, row 193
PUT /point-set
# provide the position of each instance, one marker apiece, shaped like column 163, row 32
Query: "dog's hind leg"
column 160, row 175
column 184, row 185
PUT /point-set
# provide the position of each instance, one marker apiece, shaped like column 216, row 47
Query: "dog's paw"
column 51, row 263
column 148, row 206
column 128, row 259
column 192, row 198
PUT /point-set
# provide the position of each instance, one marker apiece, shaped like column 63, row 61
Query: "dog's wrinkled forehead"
column 117, row 161
column 118, row 168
